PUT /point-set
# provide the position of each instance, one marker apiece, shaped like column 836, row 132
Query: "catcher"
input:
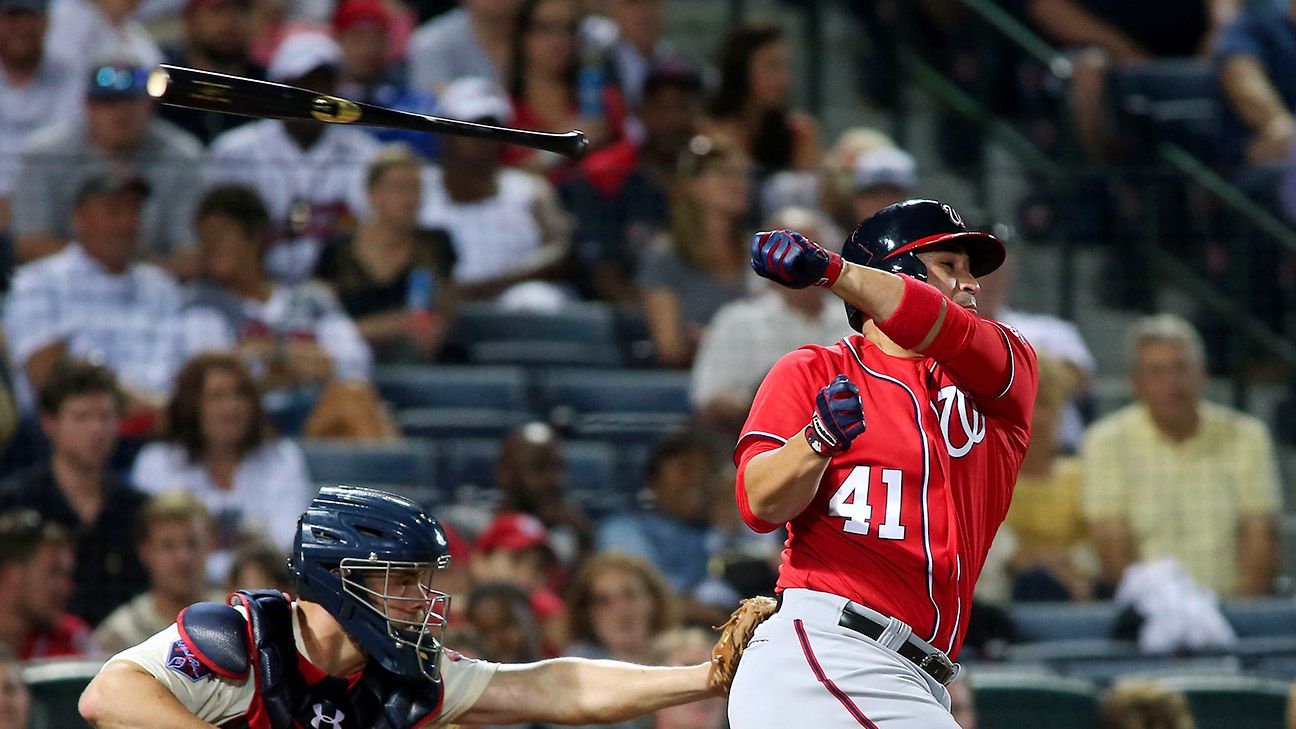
column 361, row 647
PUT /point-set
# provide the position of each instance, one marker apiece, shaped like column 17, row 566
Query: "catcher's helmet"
column 356, row 553
column 891, row 237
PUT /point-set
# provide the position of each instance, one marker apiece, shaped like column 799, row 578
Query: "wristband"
column 911, row 322
column 820, row 440
column 833, row 270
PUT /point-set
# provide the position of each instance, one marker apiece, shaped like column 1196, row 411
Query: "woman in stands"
column 702, row 265
column 218, row 445
column 556, row 85
column 391, row 275
column 753, row 104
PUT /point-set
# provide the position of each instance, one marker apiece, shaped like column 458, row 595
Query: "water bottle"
column 589, row 85
column 422, row 289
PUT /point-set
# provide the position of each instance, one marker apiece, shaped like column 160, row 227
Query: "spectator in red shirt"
column 36, row 563
column 552, row 91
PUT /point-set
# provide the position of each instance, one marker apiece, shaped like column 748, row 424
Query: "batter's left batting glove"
column 786, row 257
column 838, row 418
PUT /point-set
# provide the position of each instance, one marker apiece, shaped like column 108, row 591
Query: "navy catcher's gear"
column 892, row 237
column 786, row 257
column 838, row 417
column 368, row 558
column 224, row 641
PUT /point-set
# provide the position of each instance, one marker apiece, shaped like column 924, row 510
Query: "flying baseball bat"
column 208, row 91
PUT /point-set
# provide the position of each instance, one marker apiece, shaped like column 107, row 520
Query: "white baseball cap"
column 885, row 166
column 301, row 53
column 474, row 99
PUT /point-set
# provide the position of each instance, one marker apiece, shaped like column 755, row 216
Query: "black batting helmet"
column 890, row 238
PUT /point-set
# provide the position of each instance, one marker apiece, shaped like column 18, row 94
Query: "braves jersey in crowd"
column 902, row 521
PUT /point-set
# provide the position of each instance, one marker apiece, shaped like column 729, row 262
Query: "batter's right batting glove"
column 786, row 257
column 838, row 418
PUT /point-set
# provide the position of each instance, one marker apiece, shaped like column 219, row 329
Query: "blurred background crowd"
column 207, row 316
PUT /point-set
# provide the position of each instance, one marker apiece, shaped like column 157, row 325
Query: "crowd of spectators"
column 194, row 292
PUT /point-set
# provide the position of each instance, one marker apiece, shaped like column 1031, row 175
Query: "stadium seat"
column 1170, row 99
column 588, row 322
column 1106, row 670
column 1280, row 667
column 594, row 478
column 414, row 386
column 409, row 463
column 1262, row 616
column 1232, row 702
column 1083, row 649
column 1064, row 621
column 1012, row 700
column 636, row 391
column 541, row 353
column 440, row 423
column 55, row 686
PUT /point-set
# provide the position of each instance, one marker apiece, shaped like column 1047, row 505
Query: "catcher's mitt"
column 734, row 635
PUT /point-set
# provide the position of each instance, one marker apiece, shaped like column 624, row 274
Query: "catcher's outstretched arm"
column 583, row 691
column 125, row 696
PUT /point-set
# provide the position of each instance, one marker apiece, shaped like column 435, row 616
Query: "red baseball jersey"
column 902, row 521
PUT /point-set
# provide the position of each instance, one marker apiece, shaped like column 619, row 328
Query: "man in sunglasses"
column 119, row 130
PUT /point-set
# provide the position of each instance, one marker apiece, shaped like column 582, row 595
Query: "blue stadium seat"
column 440, row 423
column 1262, row 616
column 469, row 462
column 1106, row 670
column 628, row 428
column 1232, row 702
column 595, row 480
column 1064, row 621
column 592, row 469
column 409, row 463
column 636, row 391
column 1081, row 649
column 55, row 688
column 1012, row 700
column 1169, row 99
column 588, row 322
column 1280, row 667
column 414, row 386
column 542, row 353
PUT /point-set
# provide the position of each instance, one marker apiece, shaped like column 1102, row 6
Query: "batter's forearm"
column 876, row 293
column 781, row 483
column 124, row 696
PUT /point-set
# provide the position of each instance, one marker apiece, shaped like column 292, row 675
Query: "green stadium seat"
column 1013, row 700
column 1232, row 702
column 56, row 686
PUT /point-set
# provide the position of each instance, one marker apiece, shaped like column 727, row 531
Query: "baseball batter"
column 891, row 457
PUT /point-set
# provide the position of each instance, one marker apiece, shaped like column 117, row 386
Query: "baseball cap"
column 672, row 73
column 301, row 53
column 475, row 99
column 105, row 180
column 117, row 79
column 356, row 13
column 885, row 166
column 39, row 6
column 512, row 531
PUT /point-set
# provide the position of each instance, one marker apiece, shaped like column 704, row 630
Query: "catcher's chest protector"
column 223, row 641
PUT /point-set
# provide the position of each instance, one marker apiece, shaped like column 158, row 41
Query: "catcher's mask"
column 368, row 557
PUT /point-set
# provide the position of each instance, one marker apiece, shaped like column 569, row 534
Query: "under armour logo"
column 953, row 215
column 321, row 720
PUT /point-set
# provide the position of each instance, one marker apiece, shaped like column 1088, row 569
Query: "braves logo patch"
column 183, row 662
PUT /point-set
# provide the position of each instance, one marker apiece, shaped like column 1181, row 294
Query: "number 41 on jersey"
column 851, row 502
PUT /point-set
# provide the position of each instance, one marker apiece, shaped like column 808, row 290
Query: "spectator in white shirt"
column 35, row 88
column 472, row 41
column 119, row 129
column 311, row 176
column 218, row 446
column 746, row 337
column 506, row 226
column 83, row 30
column 93, row 302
